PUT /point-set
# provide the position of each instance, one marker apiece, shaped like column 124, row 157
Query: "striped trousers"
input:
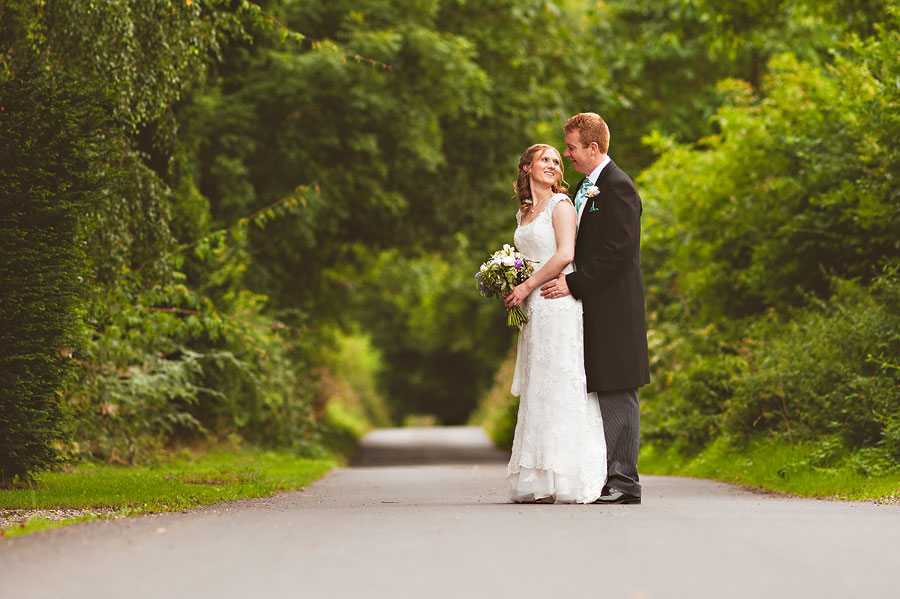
column 622, row 429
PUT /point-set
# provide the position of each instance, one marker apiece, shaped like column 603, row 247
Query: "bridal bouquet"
column 499, row 276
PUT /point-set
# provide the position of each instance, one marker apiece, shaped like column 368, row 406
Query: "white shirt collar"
column 596, row 172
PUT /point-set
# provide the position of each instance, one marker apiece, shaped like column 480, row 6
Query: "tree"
column 409, row 117
column 771, row 260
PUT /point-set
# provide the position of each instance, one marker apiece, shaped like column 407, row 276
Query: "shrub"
column 830, row 370
column 48, row 129
column 498, row 409
column 827, row 374
column 166, row 365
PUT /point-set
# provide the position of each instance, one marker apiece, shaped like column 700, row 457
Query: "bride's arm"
column 564, row 227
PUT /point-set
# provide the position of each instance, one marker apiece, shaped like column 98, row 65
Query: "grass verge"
column 189, row 481
column 774, row 466
column 799, row 469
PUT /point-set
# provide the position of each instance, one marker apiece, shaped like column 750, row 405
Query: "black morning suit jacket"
column 609, row 283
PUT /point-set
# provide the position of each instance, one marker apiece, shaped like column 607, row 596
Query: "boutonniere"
column 592, row 191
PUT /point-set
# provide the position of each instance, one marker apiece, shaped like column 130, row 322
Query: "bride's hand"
column 517, row 296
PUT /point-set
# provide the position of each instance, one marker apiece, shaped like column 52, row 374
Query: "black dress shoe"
column 615, row 496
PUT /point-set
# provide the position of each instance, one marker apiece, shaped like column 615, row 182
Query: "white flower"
column 484, row 268
column 592, row 191
column 509, row 261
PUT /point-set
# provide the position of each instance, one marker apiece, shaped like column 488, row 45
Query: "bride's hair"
column 523, row 180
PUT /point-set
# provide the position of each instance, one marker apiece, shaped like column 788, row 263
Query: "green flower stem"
column 515, row 317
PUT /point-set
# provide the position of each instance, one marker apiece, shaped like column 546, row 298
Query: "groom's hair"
column 591, row 127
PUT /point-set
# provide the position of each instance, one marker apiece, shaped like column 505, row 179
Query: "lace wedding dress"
column 559, row 451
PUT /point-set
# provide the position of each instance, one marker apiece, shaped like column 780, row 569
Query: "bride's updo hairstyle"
column 523, row 181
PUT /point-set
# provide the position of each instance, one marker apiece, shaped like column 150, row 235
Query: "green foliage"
column 776, row 465
column 267, row 174
column 389, row 142
column 655, row 71
column 796, row 186
column 47, row 137
column 350, row 382
column 154, row 360
column 827, row 372
column 170, row 364
column 769, row 247
column 655, row 65
column 440, row 342
column 498, row 408
column 410, row 117
column 177, row 483
column 766, row 238
column 159, row 48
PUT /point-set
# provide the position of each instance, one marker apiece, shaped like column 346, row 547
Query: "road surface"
column 422, row 513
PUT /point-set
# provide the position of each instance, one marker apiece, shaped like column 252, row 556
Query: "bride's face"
column 546, row 168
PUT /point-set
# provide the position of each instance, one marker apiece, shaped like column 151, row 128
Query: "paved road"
column 422, row 514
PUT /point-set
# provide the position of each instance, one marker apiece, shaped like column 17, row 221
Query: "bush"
column 48, row 130
column 772, row 301
column 498, row 409
column 349, row 381
column 166, row 365
column 831, row 370
column 796, row 187
column 827, row 375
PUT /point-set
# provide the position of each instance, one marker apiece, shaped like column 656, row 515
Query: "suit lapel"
column 599, row 184
column 605, row 173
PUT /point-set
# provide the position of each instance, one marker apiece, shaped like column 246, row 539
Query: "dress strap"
column 556, row 199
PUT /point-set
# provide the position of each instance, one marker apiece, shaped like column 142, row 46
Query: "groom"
column 608, row 281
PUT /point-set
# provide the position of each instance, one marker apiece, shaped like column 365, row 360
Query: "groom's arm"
column 614, row 233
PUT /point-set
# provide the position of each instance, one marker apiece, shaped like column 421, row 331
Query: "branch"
column 276, row 326
column 260, row 215
column 314, row 44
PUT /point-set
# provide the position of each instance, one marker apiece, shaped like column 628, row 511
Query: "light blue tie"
column 580, row 196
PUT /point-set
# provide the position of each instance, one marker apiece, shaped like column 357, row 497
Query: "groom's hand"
column 555, row 288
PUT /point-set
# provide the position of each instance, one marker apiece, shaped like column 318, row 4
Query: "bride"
column 559, row 452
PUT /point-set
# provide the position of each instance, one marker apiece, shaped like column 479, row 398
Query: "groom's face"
column 583, row 159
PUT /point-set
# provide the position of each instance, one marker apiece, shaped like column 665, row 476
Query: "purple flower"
column 520, row 263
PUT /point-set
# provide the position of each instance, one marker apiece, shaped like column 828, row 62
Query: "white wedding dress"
column 559, row 450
